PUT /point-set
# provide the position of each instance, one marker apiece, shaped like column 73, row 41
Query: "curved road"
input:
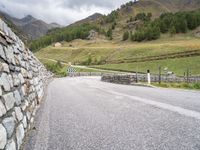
column 86, row 114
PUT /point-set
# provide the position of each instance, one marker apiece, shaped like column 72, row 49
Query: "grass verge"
column 191, row 86
column 179, row 66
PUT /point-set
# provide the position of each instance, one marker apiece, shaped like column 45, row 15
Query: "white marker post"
column 148, row 76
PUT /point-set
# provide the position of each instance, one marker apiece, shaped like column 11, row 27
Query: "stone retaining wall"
column 132, row 78
column 22, row 82
column 78, row 74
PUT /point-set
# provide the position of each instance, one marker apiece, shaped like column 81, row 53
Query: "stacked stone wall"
column 133, row 78
column 22, row 82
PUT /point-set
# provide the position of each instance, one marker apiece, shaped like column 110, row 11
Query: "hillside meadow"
column 78, row 52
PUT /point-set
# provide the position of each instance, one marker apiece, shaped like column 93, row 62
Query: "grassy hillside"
column 104, row 51
column 78, row 51
column 155, row 7
column 125, row 19
column 179, row 66
column 175, row 45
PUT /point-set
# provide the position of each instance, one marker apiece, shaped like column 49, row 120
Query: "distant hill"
column 155, row 7
column 128, row 18
column 31, row 27
column 90, row 19
column 34, row 28
column 6, row 18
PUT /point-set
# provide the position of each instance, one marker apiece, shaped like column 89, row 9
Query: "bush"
column 172, row 31
column 109, row 34
column 56, row 68
column 111, row 17
column 63, row 34
column 125, row 36
column 143, row 16
column 148, row 32
column 178, row 22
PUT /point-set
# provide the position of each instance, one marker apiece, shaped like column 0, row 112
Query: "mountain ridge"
column 31, row 27
column 89, row 19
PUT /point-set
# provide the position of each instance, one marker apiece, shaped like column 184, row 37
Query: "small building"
column 57, row 44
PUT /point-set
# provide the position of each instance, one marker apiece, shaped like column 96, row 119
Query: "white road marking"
column 177, row 109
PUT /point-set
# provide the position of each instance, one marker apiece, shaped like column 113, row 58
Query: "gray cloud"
column 60, row 11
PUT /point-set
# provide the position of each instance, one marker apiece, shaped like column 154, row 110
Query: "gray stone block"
column 20, row 135
column 10, row 55
column 18, row 113
column 18, row 99
column 21, row 78
column 23, row 91
column 10, row 79
column 24, row 73
column 3, row 137
column 2, row 109
column 4, row 67
column 11, row 145
column 24, row 121
column 2, row 54
column 1, row 92
column 9, row 124
column 9, row 100
column 16, row 80
column 4, row 81
column 1, row 25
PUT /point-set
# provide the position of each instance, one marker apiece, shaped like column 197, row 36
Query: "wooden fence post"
column 187, row 75
column 159, row 75
column 136, row 77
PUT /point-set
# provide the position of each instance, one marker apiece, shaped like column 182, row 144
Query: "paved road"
column 87, row 114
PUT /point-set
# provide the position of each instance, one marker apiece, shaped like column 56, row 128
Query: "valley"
column 117, row 75
column 116, row 55
column 139, row 36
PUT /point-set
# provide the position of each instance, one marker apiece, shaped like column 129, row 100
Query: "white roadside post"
column 69, row 69
column 148, row 76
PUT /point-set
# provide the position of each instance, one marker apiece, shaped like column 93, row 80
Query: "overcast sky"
column 61, row 11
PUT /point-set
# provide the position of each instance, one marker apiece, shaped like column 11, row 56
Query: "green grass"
column 117, row 50
column 78, row 52
column 178, row 66
column 195, row 86
column 62, row 71
column 55, row 67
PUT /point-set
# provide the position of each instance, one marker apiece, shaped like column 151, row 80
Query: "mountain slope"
column 177, row 52
column 30, row 26
column 36, row 28
column 7, row 19
column 90, row 19
column 33, row 27
column 157, row 7
column 131, row 9
column 118, row 21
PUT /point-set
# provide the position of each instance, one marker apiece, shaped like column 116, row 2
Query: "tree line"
column 63, row 34
column 172, row 23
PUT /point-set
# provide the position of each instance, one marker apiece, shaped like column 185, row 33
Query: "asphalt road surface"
column 84, row 113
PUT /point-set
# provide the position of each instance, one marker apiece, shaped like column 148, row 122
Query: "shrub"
column 149, row 32
column 125, row 36
column 56, row 68
column 63, row 34
column 109, row 34
column 172, row 31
